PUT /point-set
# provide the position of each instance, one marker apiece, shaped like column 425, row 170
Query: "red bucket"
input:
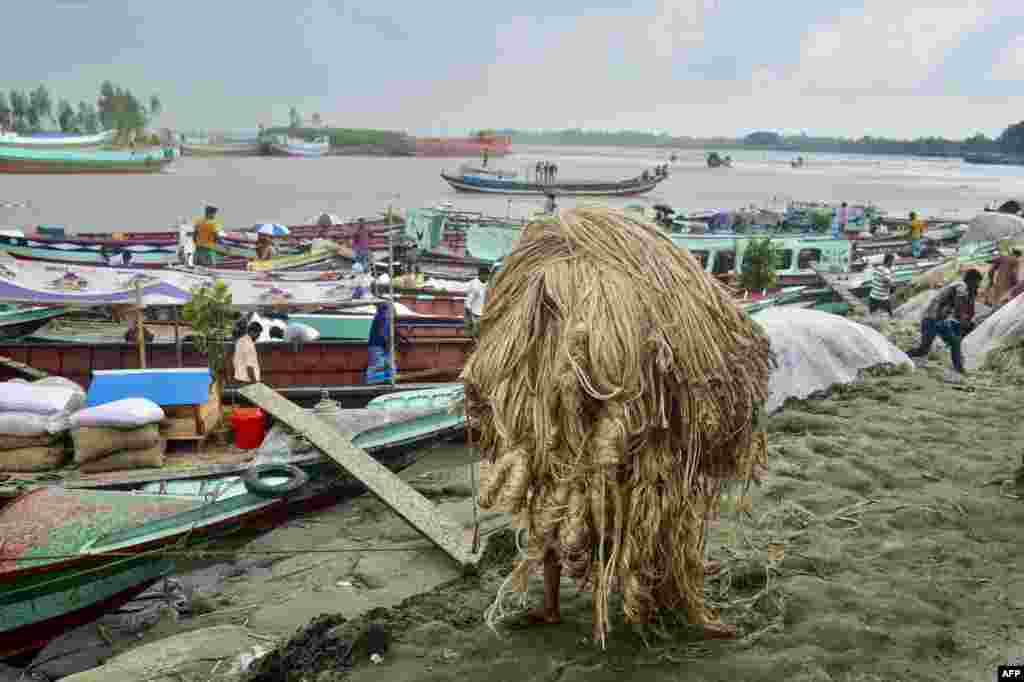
column 250, row 427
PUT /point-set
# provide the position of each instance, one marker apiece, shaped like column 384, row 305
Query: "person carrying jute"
column 615, row 388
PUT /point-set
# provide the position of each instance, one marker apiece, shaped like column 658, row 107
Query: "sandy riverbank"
column 883, row 545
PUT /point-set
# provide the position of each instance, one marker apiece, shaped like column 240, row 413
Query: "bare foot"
column 712, row 567
column 719, row 631
column 543, row 617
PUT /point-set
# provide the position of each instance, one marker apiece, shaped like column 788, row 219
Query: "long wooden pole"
column 140, row 328
column 391, row 306
column 177, row 337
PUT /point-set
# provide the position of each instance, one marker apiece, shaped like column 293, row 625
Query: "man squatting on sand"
column 615, row 388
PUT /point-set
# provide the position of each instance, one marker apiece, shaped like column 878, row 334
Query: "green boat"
column 18, row 321
column 72, row 552
column 62, row 161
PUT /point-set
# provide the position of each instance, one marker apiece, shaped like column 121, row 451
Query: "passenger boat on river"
column 489, row 184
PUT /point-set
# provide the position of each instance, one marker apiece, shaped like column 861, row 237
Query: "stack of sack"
column 34, row 417
column 124, row 434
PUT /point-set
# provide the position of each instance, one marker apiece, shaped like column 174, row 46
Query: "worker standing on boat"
column 186, row 244
column 917, row 230
column 206, row 238
column 361, row 245
column 246, row 359
column 554, row 171
column 475, row 295
column 844, row 217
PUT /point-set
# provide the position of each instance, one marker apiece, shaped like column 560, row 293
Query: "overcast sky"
column 689, row 67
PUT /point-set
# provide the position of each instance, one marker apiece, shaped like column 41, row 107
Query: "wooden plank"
column 844, row 293
column 412, row 506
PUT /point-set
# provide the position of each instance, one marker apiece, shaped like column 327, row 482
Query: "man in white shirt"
column 186, row 244
column 247, row 361
column 475, row 295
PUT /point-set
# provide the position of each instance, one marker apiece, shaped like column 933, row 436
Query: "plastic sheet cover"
column 817, row 350
column 1004, row 327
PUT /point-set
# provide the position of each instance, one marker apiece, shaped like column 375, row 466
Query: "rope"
column 327, row 409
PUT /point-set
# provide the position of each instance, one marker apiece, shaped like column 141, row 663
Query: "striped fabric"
column 881, row 281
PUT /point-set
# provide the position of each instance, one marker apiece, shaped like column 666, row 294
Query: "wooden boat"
column 55, row 161
column 55, row 140
column 254, row 148
column 19, row 321
column 282, row 365
column 715, row 160
column 300, row 148
column 79, row 550
column 488, row 185
column 723, row 254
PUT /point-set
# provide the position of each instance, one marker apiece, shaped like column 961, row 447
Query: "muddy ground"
column 883, row 544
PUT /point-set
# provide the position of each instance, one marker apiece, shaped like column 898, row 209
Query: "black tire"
column 254, row 483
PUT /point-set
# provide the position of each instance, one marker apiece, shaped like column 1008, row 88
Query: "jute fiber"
column 615, row 388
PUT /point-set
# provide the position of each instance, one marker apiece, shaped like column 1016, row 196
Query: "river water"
column 292, row 191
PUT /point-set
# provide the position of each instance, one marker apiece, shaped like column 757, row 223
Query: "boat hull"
column 299, row 151
column 282, row 365
column 594, row 189
column 247, row 149
column 18, row 167
column 56, row 141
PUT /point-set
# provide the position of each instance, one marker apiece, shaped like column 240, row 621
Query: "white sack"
column 296, row 331
column 28, row 424
column 128, row 413
column 42, row 399
column 817, row 350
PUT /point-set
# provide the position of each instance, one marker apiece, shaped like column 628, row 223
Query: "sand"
column 883, row 544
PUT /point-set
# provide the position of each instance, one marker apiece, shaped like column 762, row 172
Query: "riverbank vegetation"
column 349, row 137
column 1011, row 141
column 116, row 108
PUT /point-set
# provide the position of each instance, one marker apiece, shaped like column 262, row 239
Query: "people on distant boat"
column 844, row 216
column 363, row 281
column 484, row 163
column 476, row 293
column 917, row 230
column 265, row 249
column 246, row 359
column 550, row 207
column 881, row 286
column 206, row 230
column 554, row 171
column 539, row 174
column 186, row 244
column 949, row 316
column 361, row 244
column 1004, row 276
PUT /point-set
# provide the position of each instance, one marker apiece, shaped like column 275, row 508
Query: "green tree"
column 105, row 105
column 5, row 111
column 66, row 118
column 295, row 118
column 1012, row 139
column 155, row 106
column 758, row 270
column 19, row 107
column 208, row 312
column 86, row 119
column 41, row 106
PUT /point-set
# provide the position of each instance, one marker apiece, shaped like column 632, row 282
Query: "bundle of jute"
column 615, row 388
column 95, row 442
column 146, row 458
column 33, row 458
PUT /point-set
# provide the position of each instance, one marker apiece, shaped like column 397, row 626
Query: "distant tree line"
column 1011, row 141
column 115, row 109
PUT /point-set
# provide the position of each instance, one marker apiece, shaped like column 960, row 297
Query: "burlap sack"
column 93, row 442
column 25, row 460
column 128, row 459
column 18, row 442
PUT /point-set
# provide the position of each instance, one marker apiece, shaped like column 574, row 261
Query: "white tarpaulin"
column 1005, row 326
column 48, row 283
column 816, row 350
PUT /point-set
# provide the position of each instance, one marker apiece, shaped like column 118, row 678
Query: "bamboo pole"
column 391, row 306
column 140, row 328
column 177, row 337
